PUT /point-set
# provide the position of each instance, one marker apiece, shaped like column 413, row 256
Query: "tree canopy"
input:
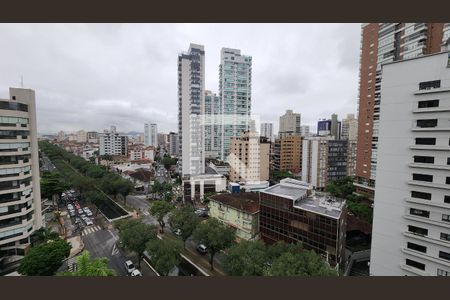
column 159, row 209
column 215, row 236
column 247, row 258
column 185, row 220
column 164, row 254
column 45, row 259
column 87, row 266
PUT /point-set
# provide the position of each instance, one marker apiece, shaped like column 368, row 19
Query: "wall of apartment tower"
column 382, row 43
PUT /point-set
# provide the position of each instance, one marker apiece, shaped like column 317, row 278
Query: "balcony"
column 431, row 109
column 429, row 166
column 427, row 239
column 429, row 184
column 428, row 221
column 427, row 202
column 414, row 270
column 432, row 91
column 426, row 257
column 430, row 147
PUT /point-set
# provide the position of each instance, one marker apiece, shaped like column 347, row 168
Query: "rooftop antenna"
column 21, row 81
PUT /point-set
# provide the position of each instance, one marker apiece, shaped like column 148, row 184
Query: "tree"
column 160, row 209
column 44, row 234
column 279, row 248
column 97, row 198
column 87, row 266
column 301, row 263
column 53, row 184
column 248, row 258
column 45, row 259
column 164, row 254
column 134, row 235
column 186, row 221
column 124, row 188
column 215, row 236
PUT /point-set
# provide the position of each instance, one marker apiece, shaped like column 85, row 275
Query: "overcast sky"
column 91, row 76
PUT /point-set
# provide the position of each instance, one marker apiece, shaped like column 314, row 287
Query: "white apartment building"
column 139, row 153
column 315, row 161
column 267, row 131
column 113, row 143
column 411, row 226
column 289, row 124
column 151, row 134
column 349, row 128
column 213, row 125
column 20, row 194
column 305, row 131
column 81, row 136
column 191, row 94
column 235, row 91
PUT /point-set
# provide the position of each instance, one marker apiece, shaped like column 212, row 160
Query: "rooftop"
column 248, row 202
column 289, row 188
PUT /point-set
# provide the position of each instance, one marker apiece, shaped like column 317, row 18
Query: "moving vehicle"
column 129, row 267
column 202, row 249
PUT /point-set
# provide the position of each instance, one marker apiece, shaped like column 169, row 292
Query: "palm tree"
column 90, row 267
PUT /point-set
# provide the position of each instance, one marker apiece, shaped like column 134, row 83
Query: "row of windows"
column 13, row 106
column 427, row 178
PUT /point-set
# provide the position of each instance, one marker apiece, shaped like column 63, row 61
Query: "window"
column 428, row 103
column 427, row 123
column 425, row 141
column 444, row 255
column 417, row 247
column 442, row 272
column 446, row 199
column 417, row 230
column 427, row 85
column 423, row 177
column 447, row 180
column 415, row 264
column 448, row 160
column 424, row 159
column 445, row 236
column 421, row 195
column 445, row 218
column 419, row 212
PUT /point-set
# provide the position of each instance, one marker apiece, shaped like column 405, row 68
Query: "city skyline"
column 74, row 80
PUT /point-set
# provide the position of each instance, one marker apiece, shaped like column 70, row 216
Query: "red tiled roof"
column 248, row 202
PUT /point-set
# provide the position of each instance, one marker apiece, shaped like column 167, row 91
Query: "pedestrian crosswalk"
column 90, row 230
column 146, row 213
column 71, row 264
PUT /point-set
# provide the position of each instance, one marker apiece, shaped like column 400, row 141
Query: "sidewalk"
column 200, row 261
column 77, row 245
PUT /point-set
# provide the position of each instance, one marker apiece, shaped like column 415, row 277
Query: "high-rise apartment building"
column 213, row 125
column 92, row 137
column 20, row 194
column 289, row 124
column 305, row 131
column 151, row 134
column 163, row 140
column 173, row 144
column 81, row 136
column 349, row 128
column 411, row 226
column 286, row 154
column 249, row 158
column 292, row 212
column 113, row 143
column 382, row 43
column 235, row 92
column 191, row 98
column 330, row 127
column 267, row 131
column 323, row 160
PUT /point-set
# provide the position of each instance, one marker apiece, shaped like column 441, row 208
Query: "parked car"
column 201, row 213
column 87, row 221
column 86, row 209
column 77, row 220
column 80, row 211
column 136, row 272
column 129, row 267
column 69, row 206
column 202, row 249
column 89, row 213
column 72, row 213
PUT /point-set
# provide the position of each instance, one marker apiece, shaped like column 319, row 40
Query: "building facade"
column 329, row 127
column 349, row 128
column 113, row 143
column 305, row 131
column 173, row 144
column 286, row 154
column 151, row 134
column 383, row 43
column 20, row 195
column 196, row 186
column 213, row 125
column 92, row 137
column 240, row 211
column 292, row 212
column 267, row 131
column 249, row 158
column 235, row 92
column 411, row 226
column 191, row 93
column 289, row 124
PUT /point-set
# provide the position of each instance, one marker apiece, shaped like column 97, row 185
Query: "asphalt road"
column 47, row 164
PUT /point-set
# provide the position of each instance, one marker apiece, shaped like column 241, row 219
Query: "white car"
column 69, row 206
column 129, row 267
column 136, row 272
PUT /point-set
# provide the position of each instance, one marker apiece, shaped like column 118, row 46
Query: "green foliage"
column 52, row 183
column 248, row 258
column 300, row 263
column 186, row 220
column 159, row 210
column 341, row 188
column 162, row 189
column 45, row 259
column 134, row 235
column 215, row 236
column 87, row 266
column 168, row 161
column 43, row 235
column 278, row 175
column 165, row 254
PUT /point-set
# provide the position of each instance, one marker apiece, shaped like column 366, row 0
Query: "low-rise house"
column 239, row 211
